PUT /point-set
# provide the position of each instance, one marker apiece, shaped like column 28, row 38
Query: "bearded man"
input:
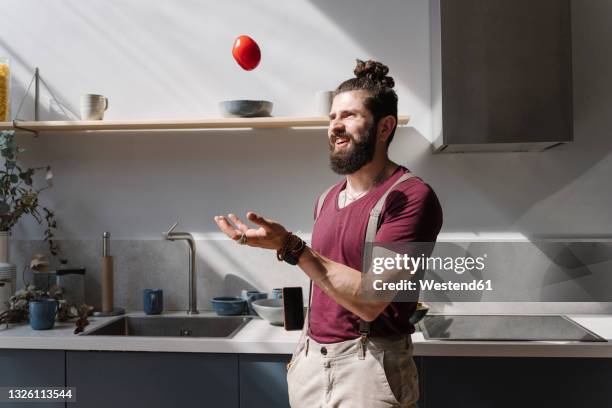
column 354, row 352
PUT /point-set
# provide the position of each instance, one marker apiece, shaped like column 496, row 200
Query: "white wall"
column 172, row 60
column 157, row 59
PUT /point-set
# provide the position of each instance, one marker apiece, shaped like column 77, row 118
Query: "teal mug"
column 153, row 301
column 277, row 293
column 42, row 313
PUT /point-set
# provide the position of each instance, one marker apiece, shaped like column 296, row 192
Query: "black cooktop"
column 505, row 328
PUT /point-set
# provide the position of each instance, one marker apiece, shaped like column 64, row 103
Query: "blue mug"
column 153, row 301
column 277, row 293
column 42, row 313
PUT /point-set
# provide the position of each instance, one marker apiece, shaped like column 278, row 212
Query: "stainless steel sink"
column 171, row 326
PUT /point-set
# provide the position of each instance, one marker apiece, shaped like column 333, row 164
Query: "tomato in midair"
column 246, row 52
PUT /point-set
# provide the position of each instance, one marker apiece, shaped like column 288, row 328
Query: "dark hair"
column 371, row 77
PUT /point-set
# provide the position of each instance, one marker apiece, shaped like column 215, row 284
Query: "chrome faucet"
column 185, row 236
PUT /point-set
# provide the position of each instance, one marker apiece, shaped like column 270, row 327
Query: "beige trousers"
column 334, row 375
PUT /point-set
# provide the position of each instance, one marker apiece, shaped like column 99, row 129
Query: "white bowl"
column 270, row 309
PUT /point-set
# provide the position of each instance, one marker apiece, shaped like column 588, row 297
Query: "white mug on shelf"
column 323, row 101
column 93, row 107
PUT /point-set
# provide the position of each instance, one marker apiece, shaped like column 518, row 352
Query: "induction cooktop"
column 505, row 328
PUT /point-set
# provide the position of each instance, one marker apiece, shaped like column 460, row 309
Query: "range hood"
column 501, row 75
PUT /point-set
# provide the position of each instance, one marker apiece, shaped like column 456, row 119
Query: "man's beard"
column 355, row 157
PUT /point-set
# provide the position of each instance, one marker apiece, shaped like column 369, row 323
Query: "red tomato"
column 246, row 52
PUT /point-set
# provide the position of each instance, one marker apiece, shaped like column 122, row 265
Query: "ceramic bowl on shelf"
column 243, row 108
column 270, row 310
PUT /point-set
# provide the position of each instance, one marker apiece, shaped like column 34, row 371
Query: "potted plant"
column 19, row 195
column 19, row 306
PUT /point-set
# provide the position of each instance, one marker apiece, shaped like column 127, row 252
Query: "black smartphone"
column 293, row 308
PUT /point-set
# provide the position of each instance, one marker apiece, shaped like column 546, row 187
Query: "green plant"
column 18, row 195
column 19, row 306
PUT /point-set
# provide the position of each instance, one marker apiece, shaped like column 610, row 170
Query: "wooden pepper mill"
column 108, row 307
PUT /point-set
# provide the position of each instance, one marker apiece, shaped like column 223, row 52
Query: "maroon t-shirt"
column 411, row 212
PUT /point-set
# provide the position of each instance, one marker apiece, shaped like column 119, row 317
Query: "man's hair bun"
column 374, row 71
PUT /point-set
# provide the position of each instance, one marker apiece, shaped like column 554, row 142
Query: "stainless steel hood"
column 501, row 75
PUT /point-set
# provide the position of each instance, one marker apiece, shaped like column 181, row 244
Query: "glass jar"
column 5, row 82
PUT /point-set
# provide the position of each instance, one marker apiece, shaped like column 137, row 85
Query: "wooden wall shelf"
column 212, row 123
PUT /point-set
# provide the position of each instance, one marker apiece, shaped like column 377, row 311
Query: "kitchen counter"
column 259, row 337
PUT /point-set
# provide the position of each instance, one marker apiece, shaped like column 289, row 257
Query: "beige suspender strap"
column 370, row 237
column 306, row 327
column 372, row 228
column 322, row 198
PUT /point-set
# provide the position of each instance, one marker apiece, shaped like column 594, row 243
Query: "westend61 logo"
column 407, row 266
column 411, row 264
column 488, row 271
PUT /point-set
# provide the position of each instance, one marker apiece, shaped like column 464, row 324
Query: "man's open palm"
column 269, row 235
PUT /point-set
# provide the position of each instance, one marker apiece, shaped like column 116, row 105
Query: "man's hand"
column 339, row 281
column 269, row 235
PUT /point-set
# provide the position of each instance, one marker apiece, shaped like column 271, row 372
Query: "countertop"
column 259, row 337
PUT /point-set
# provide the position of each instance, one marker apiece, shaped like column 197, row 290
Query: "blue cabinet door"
column 147, row 379
column 263, row 381
column 500, row 382
column 32, row 368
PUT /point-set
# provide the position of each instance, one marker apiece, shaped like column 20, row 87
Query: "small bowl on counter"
column 229, row 305
column 270, row 310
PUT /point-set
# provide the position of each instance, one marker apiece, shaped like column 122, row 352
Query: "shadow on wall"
column 160, row 264
column 576, row 265
column 561, row 192
column 137, row 183
column 558, row 192
column 233, row 284
column 373, row 26
column 53, row 105
column 564, row 191
column 99, row 28
column 136, row 57
column 177, row 59
column 537, row 272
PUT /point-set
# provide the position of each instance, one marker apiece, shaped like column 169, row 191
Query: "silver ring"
column 243, row 239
